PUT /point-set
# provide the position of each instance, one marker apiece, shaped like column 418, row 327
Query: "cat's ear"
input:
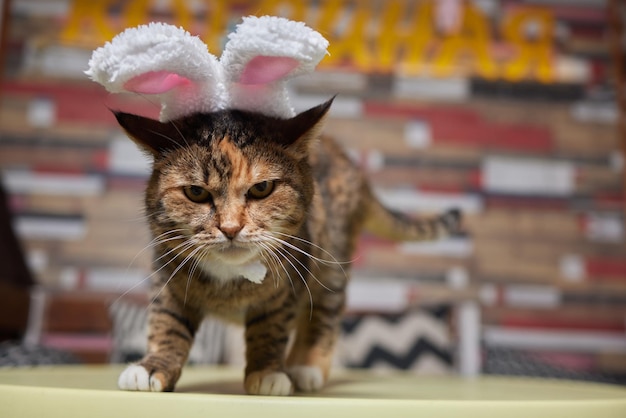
column 151, row 135
column 301, row 131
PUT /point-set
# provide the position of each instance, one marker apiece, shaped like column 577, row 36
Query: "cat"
column 255, row 219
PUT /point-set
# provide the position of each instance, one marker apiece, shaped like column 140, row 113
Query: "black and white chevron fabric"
column 420, row 341
column 517, row 362
column 17, row 354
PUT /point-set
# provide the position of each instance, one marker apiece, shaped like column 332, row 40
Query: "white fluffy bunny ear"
column 261, row 55
column 165, row 61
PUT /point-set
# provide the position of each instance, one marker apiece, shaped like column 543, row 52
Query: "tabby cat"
column 255, row 218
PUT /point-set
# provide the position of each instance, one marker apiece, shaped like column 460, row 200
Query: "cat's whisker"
column 149, row 99
column 175, row 249
column 271, row 260
column 273, row 254
column 144, row 216
column 177, row 269
column 155, row 241
column 310, row 256
column 168, row 232
column 312, row 244
column 180, row 133
column 158, row 240
column 142, row 281
column 129, row 290
column 166, row 137
column 284, row 253
column 157, row 105
column 192, row 271
column 308, row 270
column 164, row 235
column 188, row 244
column 266, row 261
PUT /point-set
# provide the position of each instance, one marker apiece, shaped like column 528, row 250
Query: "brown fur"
column 319, row 205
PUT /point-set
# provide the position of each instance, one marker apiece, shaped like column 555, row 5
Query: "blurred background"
column 511, row 110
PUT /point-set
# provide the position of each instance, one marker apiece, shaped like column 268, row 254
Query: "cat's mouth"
column 235, row 253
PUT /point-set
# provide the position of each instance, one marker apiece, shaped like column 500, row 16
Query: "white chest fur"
column 254, row 271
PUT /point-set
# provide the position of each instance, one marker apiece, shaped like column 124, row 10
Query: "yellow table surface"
column 73, row 391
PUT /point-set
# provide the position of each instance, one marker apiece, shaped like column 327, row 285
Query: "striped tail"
column 397, row 226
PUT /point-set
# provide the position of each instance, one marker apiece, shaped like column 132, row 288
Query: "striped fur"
column 300, row 238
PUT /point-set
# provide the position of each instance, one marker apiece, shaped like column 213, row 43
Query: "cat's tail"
column 397, row 226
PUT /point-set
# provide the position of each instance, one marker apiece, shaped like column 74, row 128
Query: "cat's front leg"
column 170, row 335
column 311, row 355
column 267, row 334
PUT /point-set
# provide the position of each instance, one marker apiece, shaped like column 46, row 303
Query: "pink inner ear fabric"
column 263, row 69
column 155, row 82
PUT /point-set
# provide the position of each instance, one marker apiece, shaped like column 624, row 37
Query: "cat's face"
column 227, row 186
column 231, row 200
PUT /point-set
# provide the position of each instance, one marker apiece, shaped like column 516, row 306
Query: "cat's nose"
column 230, row 229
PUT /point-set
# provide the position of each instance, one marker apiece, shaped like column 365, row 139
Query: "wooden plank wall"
column 535, row 167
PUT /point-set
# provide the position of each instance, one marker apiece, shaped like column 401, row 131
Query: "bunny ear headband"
column 167, row 62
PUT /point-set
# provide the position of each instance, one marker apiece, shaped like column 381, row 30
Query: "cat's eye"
column 197, row 194
column 261, row 190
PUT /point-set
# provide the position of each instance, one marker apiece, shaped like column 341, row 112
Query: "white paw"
column 136, row 377
column 273, row 384
column 307, row 378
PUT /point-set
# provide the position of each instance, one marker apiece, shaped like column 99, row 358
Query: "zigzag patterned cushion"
column 419, row 340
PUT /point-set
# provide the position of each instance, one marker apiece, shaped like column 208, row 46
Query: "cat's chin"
column 234, row 263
